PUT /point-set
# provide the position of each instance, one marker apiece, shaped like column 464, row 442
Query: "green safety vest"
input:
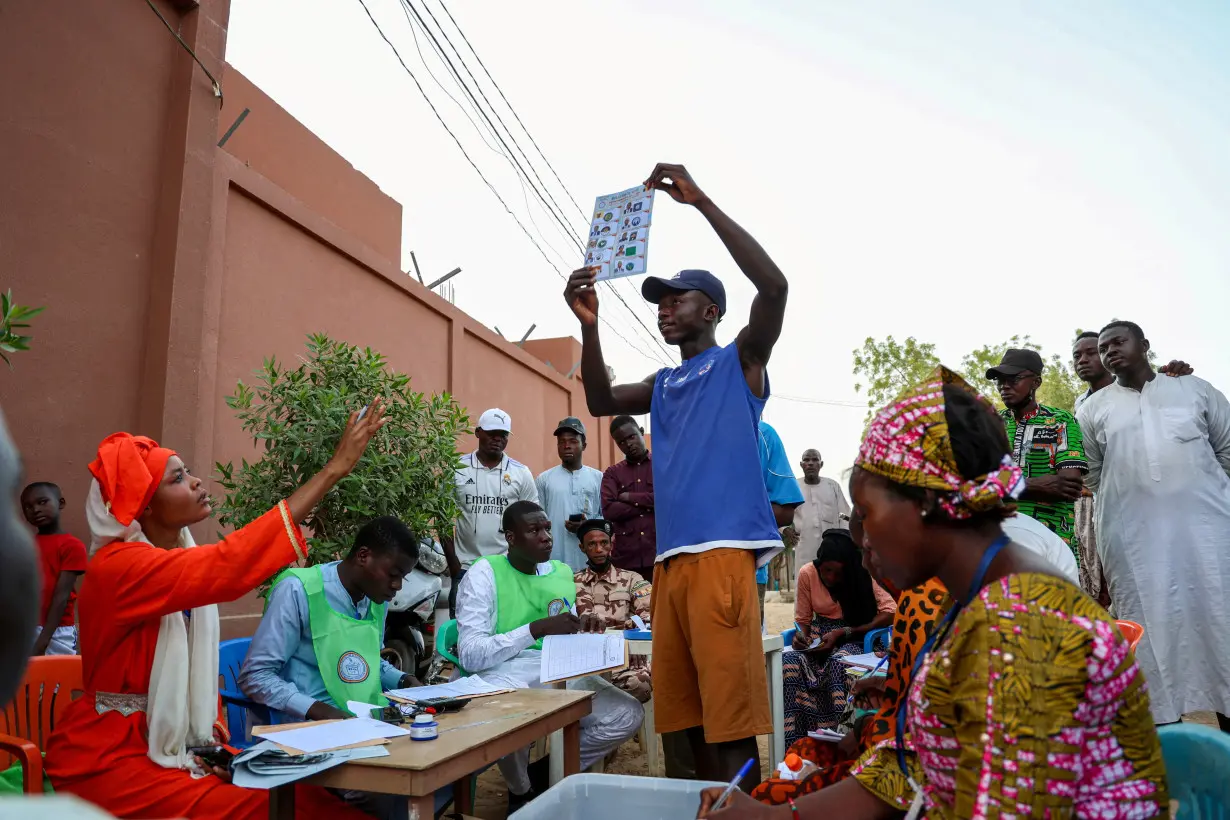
column 521, row 599
column 347, row 649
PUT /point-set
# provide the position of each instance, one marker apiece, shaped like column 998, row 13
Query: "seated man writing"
column 319, row 641
column 614, row 595
column 506, row 605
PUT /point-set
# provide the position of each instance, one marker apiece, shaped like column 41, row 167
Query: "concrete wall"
column 170, row 267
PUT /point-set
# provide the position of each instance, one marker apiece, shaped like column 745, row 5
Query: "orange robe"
column 127, row 589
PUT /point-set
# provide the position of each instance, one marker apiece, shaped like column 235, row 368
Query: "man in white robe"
column 1159, row 460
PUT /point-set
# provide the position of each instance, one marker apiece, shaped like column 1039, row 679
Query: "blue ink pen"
column 734, row 784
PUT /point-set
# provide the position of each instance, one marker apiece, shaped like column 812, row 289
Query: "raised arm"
column 756, row 340
column 602, row 397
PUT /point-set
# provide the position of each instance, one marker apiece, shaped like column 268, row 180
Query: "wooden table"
column 418, row 769
column 641, row 643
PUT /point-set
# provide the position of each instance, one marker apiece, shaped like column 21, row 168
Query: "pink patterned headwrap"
column 907, row 442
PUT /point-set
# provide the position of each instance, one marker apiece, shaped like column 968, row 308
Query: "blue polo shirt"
column 779, row 478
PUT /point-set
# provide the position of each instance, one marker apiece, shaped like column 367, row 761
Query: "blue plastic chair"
column 230, row 661
column 1198, row 769
column 446, row 645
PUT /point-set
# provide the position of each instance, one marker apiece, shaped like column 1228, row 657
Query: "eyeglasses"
column 1012, row 380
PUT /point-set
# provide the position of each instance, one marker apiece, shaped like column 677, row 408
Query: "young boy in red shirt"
column 62, row 557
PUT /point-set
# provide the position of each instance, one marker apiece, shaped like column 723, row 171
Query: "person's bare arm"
column 602, row 397
column 755, row 341
column 65, row 582
column 358, row 433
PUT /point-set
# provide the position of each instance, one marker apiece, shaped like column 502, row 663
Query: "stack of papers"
column 471, row 687
column 575, row 656
column 326, row 735
column 253, row 768
column 869, row 660
column 826, row 734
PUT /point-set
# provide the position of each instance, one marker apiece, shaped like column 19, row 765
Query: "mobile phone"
column 577, row 517
column 218, row 756
column 388, row 714
column 442, row 704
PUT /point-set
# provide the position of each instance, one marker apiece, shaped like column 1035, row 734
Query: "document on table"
column 331, row 734
column 574, row 656
column 470, row 687
column 868, row 661
column 264, row 765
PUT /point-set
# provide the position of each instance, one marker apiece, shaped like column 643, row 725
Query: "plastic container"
column 616, row 797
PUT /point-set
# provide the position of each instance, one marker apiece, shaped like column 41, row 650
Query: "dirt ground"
column 492, row 800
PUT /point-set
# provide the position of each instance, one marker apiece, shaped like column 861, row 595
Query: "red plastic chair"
column 27, row 722
column 1132, row 631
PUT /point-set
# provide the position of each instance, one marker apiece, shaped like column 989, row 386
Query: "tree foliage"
column 13, row 320
column 298, row 414
column 888, row 367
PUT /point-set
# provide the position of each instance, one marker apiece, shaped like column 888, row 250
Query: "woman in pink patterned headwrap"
column 1026, row 700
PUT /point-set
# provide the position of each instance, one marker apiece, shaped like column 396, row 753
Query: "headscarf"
column 855, row 594
column 907, row 442
column 182, row 703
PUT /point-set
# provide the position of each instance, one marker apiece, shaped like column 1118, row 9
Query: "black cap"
column 571, row 423
column 594, row 524
column 1017, row 361
column 655, row 287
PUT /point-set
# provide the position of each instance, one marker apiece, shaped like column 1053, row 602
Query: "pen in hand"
column 734, row 784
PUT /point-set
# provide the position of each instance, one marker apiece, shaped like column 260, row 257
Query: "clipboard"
column 283, row 727
column 615, row 668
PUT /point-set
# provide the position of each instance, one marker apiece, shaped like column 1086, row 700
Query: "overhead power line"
column 478, row 171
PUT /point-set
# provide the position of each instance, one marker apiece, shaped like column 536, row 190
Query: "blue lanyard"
column 937, row 636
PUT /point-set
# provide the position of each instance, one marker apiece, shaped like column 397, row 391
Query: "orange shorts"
column 708, row 660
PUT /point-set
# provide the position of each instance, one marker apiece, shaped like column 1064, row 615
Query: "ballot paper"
column 469, row 687
column 618, row 243
column 324, row 735
column 827, row 735
column 640, row 624
column 574, row 656
column 868, row 661
column 264, row 765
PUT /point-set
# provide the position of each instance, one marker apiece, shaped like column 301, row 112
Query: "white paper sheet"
column 360, row 709
column 324, row 736
column 640, row 624
column 460, row 688
column 567, row 656
column 868, row 661
column 245, row 777
column 826, row 735
column 618, row 243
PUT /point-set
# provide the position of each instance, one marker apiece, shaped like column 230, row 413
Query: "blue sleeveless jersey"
column 709, row 489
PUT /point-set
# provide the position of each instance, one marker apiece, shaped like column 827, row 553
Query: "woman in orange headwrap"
column 149, row 633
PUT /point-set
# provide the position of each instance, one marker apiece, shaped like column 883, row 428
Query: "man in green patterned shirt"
column 1046, row 444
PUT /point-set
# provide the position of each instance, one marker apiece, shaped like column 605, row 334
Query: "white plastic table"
column 641, row 643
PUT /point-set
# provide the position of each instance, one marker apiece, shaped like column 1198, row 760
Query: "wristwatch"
column 849, row 631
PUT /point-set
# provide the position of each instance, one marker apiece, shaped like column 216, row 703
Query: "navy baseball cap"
column 655, row 287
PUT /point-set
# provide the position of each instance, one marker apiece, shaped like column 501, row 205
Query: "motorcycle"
column 409, row 628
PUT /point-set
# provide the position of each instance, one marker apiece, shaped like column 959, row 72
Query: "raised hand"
column 358, row 435
column 681, row 186
column 1176, row 368
column 582, row 296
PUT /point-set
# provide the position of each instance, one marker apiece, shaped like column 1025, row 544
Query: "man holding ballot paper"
column 714, row 521
column 506, row 605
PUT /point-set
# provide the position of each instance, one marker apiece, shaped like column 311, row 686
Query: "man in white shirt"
column 822, row 508
column 1159, row 461
column 570, row 492
column 506, row 605
column 1036, row 536
column 487, row 481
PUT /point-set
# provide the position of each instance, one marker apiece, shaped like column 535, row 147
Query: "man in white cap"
column 487, row 481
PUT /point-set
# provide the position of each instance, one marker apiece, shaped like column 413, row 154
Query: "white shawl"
column 183, row 683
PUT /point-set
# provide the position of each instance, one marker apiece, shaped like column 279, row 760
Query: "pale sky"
column 960, row 172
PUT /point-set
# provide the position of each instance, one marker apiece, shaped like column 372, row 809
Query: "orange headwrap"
column 128, row 470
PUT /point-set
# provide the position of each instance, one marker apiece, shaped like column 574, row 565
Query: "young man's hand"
column 582, row 296
column 681, row 187
column 323, row 711
column 564, row 623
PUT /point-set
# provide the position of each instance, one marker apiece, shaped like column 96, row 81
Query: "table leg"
column 777, row 705
column 649, row 734
column 463, row 795
column 555, row 768
column 282, row 802
column 572, row 748
column 423, row 807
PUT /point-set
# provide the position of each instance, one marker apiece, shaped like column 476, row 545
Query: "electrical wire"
column 188, row 48
column 478, row 171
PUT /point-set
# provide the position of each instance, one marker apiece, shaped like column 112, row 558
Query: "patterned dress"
column 1033, row 706
column 1043, row 443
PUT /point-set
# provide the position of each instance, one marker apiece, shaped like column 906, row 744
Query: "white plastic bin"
column 616, row 797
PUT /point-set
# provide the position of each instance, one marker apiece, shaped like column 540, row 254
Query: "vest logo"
column 351, row 668
column 556, row 607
